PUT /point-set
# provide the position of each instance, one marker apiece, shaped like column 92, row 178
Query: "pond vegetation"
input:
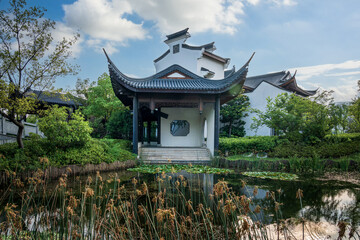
column 167, row 206
column 175, row 168
column 272, row 175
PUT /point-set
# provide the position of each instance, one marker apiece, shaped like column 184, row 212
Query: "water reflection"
column 323, row 200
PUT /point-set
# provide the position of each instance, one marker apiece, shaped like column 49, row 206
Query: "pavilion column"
column 149, row 132
column 217, row 125
column 141, row 130
column 158, row 127
column 135, row 124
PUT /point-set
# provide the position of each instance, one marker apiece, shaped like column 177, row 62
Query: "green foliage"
column 26, row 62
column 248, row 144
column 94, row 151
column 339, row 118
column 354, row 112
column 174, row 168
column 101, row 104
column 344, row 137
column 321, row 150
column 231, row 115
column 63, row 132
column 299, row 119
column 120, row 124
column 118, row 143
column 272, row 175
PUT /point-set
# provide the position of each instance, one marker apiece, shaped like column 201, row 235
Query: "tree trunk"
column 19, row 135
column 230, row 126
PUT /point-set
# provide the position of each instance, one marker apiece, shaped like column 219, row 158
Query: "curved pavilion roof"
column 283, row 80
column 176, row 79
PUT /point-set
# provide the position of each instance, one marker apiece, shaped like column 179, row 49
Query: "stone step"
column 175, row 155
column 175, row 162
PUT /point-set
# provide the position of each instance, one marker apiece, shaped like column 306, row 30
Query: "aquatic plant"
column 175, row 168
column 100, row 208
column 272, row 175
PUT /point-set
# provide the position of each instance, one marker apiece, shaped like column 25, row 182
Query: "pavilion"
column 184, row 107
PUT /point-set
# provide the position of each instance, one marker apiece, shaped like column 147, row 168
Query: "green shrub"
column 321, row 150
column 64, row 132
column 248, row 144
column 118, row 143
column 120, row 124
column 343, row 137
column 94, row 151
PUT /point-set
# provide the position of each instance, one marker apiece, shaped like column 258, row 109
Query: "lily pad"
column 174, row 168
column 272, row 175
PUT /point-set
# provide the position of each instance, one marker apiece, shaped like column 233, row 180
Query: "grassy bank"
column 39, row 153
column 335, row 152
column 293, row 164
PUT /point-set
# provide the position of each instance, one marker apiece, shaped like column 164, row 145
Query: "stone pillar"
column 135, row 124
column 217, row 125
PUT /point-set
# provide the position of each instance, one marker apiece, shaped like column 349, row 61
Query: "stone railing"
column 8, row 130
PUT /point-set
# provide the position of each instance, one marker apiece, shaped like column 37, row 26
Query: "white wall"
column 195, row 136
column 214, row 66
column 185, row 58
column 191, row 60
column 209, row 115
column 258, row 101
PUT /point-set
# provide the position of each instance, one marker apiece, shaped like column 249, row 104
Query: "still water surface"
column 330, row 201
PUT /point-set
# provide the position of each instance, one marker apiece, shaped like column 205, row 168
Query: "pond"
column 331, row 201
column 182, row 204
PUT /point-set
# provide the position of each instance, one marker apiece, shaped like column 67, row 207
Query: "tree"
column 231, row 115
column 354, row 112
column 299, row 119
column 120, row 124
column 339, row 117
column 64, row 132
column 26, row 61
column 101, row 103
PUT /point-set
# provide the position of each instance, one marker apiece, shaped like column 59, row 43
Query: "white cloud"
column 220, row 16
column 305, row 73
column 341, row 78
column 111, row 22
column 344, row 93
column 103, row 20
column 284, row 2
column 253, row 2
column 343, row 74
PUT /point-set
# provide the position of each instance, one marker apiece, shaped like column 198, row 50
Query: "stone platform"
column 176, row 155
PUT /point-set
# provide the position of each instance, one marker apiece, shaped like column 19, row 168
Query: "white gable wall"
column 258, row 100
column 214, row 66
column 191, row 60
column 185, row 57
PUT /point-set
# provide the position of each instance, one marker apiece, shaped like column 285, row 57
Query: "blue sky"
column 318, row 38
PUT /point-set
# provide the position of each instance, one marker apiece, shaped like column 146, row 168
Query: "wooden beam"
column 201, row 105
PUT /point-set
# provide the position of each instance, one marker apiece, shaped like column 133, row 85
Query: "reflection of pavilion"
column 182, row 100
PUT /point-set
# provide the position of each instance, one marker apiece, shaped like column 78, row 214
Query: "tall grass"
column 109, row 209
